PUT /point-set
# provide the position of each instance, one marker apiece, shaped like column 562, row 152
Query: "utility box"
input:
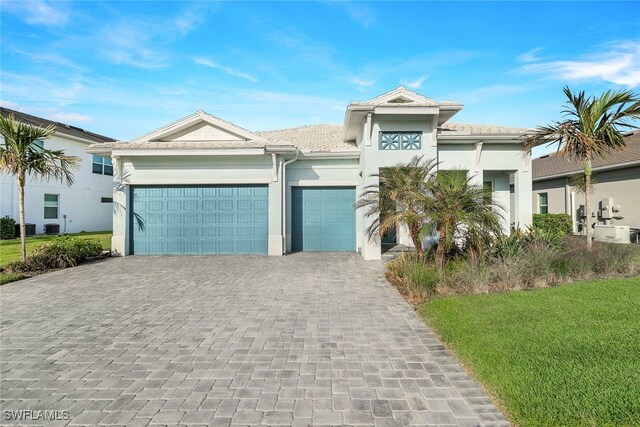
column 611, row 233
column 52, row 229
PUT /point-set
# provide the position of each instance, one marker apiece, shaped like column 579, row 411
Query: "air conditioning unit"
column 30, row 230
column 611, row 233
column 52, row 229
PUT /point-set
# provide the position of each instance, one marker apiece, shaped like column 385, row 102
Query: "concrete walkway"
column 306, row 339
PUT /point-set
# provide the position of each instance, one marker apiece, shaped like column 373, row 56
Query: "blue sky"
column 125, row 68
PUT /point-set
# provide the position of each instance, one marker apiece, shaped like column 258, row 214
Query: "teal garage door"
column 214, row 219
column 323, row 219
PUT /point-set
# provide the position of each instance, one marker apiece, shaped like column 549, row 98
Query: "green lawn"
column 10, row 249
column 568, row 355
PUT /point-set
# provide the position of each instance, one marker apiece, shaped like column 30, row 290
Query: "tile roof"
column 474, row 129
column 320, row 138
column 62, row 128
column 552, row 165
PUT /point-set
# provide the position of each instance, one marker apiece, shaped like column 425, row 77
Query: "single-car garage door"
column 213, row 219
column 323, row 219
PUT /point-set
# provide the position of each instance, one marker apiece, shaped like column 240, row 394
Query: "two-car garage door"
column 213, row 219
column 234, row 219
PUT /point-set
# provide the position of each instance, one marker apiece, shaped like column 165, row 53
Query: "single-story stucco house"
column 204, row 185
column 615, row 177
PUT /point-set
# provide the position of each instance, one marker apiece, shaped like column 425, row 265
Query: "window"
column 487, row 187
column 543, row 203
column 51, row 206
column 106, row 199
column 400, row 140
column 102, row 165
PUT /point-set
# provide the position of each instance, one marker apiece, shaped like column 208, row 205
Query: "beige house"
column 616, row 177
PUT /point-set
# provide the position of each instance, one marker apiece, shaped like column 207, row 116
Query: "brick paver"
column 306, row 339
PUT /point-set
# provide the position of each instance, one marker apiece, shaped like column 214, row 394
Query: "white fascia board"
column 595, row 169
column 351, row 114
column 469, row 139
column 160, row 152
column 75, row 138
column 406, row 110
column 330, row 155
column 196, row 181
column 321, row 183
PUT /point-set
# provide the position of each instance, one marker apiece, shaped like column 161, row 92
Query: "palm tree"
column 429, row 202
column 460, row 210
column 592, row 127
column 20, row 156
column 397, row 200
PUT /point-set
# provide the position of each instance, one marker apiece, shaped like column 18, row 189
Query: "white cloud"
column 63, row 117
column 362, row 84
column 360, row 13
column 189, row 19
column 207, row 62
column 131, row 45
column 618, row 63
column 529, row 56
column 414, row 84
column 37, row 12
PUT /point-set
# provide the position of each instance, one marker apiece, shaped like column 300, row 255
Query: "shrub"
column 553, row 223
column 414, row 276
column 62, row 252
column 7, row 228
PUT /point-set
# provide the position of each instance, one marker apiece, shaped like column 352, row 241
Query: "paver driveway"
column 306, row 339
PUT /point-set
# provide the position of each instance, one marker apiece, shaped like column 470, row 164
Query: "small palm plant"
column 460, row 211
column 427, row 202
column 20, row 155
column 593, row 126
column 397, row 200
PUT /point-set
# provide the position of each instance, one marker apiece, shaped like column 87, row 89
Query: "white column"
column 523, row 198
column 371, row 247
column 275, row 215
column 121, row 212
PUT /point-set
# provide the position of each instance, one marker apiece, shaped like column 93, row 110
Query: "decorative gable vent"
column 400, row 100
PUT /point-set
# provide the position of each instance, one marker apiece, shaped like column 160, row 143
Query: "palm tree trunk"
column 587, row 196
column 415, row 238
column 23, row 228
column 441, row 249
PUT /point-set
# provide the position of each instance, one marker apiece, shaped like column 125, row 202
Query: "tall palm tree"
column 396, row 200
column 592, row 127
column 20, row 156
column 460, row 210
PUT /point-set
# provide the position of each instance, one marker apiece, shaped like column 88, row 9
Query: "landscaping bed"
column 47, row 253
column 567, row 355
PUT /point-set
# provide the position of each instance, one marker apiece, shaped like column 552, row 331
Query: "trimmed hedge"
column 7, row 228
column 553, row 223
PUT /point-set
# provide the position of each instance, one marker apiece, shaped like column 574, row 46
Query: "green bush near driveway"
column 553, row 223
column 61, row 252
column 10, row 249
column 564, row 356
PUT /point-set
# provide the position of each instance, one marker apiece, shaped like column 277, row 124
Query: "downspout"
column 283, row 176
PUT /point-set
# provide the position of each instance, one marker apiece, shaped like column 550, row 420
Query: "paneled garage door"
column 323, row 219
column 215, row 219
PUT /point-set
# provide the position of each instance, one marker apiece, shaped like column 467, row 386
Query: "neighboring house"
column 617, row 176
column 204, row 185
column 87, row 205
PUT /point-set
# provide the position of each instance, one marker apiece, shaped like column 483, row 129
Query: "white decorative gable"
column 202, row 131
column 199, row 127
column 401, row 96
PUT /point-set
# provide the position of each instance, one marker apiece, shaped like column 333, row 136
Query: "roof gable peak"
column 401, row 96
column 199, row 119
